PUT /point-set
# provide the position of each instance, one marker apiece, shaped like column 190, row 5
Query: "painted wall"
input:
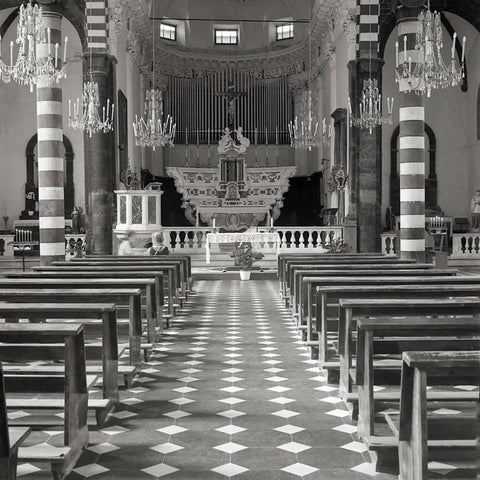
column 450, row 113
column 18, row 125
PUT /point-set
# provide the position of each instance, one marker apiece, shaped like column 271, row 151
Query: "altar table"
column 252, row 237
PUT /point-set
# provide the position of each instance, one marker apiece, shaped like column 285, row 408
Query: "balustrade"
column 389, row 244
column 466, row 245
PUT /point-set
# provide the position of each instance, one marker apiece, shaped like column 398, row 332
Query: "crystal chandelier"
column 88, row 118
column 152, row 132
column 430, row 71
column 305, row 131
column 370, row 108
column 28, row 68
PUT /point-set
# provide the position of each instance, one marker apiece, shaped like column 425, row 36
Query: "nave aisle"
column 230, row 392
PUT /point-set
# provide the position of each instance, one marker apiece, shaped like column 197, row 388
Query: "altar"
column 233, row 194
column 256, row 238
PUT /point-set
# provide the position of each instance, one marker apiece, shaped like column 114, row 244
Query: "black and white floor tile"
column 230, row 392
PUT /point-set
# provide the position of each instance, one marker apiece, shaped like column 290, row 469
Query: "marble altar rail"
column 290, row 238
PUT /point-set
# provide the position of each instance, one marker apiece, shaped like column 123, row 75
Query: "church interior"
column 239, row 239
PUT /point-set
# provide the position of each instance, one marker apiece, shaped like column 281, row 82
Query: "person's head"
column 130, row 235
column 477, row 192
column 157, row 238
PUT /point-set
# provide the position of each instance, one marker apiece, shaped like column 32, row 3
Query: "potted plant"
column 244, row 257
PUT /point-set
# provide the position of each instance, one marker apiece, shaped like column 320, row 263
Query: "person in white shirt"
column 126, row 248
column 475, row 209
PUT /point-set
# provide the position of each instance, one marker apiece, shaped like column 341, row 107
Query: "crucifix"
column 231, row 96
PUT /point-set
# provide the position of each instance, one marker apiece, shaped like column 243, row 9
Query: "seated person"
column 158, row 248
column 126, row 248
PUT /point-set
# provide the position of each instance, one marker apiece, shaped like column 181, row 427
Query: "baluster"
column 477, row 244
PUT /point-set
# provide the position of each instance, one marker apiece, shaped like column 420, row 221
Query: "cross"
column 231, row 96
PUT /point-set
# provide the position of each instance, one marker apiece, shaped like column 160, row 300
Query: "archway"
column 31, row 185
column 431, row 184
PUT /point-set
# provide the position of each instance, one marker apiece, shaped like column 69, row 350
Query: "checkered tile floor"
column 230, row 392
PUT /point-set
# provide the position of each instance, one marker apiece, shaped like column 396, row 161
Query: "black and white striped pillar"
column 411, row 150
column 50, row 154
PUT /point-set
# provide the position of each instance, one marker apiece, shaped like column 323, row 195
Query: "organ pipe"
column 266, row 106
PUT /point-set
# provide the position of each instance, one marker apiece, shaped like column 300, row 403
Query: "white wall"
column 450, row 113
column 18, row 123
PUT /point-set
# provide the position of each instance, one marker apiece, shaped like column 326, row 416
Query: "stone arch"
column 30, row 185
column 431, row 184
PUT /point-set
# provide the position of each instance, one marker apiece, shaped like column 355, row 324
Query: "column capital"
column 409, row 9
column 366, row 65
column 100, row 63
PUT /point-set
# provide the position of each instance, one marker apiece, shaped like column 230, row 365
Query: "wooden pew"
column 156, row 271
column 300, row 294
column 119, row 296
column 282, row 258
column 179, row 278
column 349, row 310
column 151, row 287
column 185, row 259
column 10, row 438
column 288, row 275
column 81, row 313
column 65, row 342
column 326, row 321
column 413, row 426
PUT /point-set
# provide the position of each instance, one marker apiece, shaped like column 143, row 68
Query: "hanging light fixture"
column 151, row 131
column 430, row 71
column 370, row 106
column 86, row 116
column 29, row 68
column 305, row 131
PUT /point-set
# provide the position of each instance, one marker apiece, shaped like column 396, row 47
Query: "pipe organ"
column 263, row 108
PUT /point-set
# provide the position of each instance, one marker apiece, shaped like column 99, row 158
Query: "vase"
column 245, row 274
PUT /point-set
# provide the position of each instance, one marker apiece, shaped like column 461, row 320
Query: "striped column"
column 367, row 27
column 412, row 155
column 50, row 155
column 97, row 21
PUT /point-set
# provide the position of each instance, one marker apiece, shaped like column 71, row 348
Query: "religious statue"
column 389, row 220
column 475, row 209
column 77, row 220
column 244, row 141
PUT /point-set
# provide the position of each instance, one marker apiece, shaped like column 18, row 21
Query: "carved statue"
column 225, row 141
column 475, row 209
column 77, row 220
column 244, row 141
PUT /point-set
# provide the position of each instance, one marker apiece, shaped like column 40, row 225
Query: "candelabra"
column 305, row 131
column 370, row 108
column 29, row 68
column 428, row 70
column 88, row 118
column 151, row 132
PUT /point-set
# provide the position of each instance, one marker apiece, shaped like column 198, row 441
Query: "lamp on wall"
column 29, row 68
column 430, row 71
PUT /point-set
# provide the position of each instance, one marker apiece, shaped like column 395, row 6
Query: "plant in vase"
column 244, row 257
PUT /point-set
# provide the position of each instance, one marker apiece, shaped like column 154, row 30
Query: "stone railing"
column 466, row 245
column 184, row 239
column 75, row 245
column 389, row 243
column 6, row 247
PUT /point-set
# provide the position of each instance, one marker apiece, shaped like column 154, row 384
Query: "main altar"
column 232, row 196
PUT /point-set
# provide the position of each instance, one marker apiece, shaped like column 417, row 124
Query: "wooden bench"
column 328, row 259
column 156, row 271
column 64, row 342
column 300, row 295
column 326, row 321
column 349, row 310
column 119, row 296
column 186, row 262
column 10, row 438
column 81, row 313
column 150, row 286
column 413, row 426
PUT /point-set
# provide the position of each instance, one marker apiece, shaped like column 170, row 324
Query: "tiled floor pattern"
column 230, row 392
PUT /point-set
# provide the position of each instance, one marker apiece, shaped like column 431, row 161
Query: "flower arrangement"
column 244, row 255
column 338, row 246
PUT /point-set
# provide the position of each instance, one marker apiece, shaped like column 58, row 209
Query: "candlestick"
column 214, row 223
column 271, row 222
column 65, row 51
